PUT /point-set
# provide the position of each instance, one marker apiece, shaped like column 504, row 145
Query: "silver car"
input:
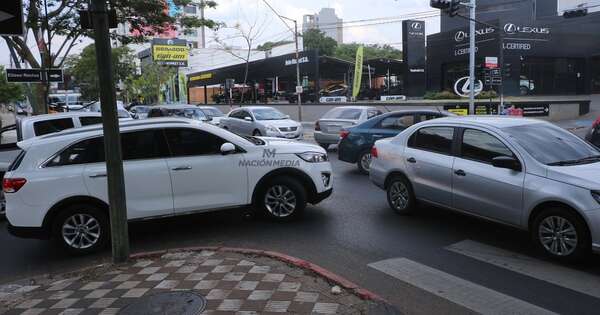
column 521, row 172
column 327, row 129
column 261, row 121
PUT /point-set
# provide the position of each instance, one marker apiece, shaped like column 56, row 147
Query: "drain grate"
column 171, row 303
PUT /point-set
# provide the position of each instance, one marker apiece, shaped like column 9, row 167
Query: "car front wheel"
column 82, row 229
column 400, row 195
column 562, row 235
column 364, row 162
column 282, row 199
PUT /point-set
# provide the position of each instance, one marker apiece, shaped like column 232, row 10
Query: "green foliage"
column 83, row 68
column 9, row 92
column 270, row 45
column 348, row 52
column 315, row 39
column 443, row 95
column 149, row 83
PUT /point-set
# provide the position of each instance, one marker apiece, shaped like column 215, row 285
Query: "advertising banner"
column 357, row 72
column 170, row 52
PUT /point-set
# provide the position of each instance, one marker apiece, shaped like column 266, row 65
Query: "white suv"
column 57, row 186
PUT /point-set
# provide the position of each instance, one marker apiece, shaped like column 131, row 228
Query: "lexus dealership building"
column 545, row 53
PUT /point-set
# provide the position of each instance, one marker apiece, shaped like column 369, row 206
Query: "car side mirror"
column 227, row 148
column 508, row 162
column 248, row 118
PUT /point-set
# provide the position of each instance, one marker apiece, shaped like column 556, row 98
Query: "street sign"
column 299, row 89
column 534, row 110
column 491, row 62
column 11, row 18
column 33, row 75
column 493, row 77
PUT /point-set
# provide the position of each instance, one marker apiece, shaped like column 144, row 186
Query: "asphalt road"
column 349, row 231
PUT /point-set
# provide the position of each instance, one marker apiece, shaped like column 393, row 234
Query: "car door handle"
column 460, row 173
column 99, row 175
column 182, row 168
column 411, row 160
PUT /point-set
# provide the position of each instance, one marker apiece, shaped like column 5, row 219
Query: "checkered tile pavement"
column 231, row 283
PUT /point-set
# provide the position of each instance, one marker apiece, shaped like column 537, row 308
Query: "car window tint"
column 482, row 146
column 238, row 115
column 53, row 125
column 397, row 122
column 86, row 121
column 147, row 144
column 343, row 113
column 425, row 117
column 86, row 151
column 435, row 139
column 372, row 113
column 187, row 142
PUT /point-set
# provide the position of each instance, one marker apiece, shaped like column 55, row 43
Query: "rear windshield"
column 343, row 113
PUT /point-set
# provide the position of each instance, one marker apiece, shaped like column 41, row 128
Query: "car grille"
column 288, row 128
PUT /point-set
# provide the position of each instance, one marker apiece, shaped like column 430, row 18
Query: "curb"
column 297, row 262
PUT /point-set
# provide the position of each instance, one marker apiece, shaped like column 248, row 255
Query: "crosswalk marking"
column 562, row 276
column 462, row 292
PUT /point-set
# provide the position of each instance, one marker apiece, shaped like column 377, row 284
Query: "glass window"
column 187, row 142
column 373, row 113
column 86, row 121
column 238, row 114
column 483, row 147
column 435, row 139
column 343, row 113
column 268, row 114
column 190, row 9
column 147, row 144
column 53, row 125
column 428, row 116
column 212, row 112
column 397, row 122
column 550, row 144
column 86, row 151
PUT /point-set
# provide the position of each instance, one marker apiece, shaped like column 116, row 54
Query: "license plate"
column 290, row 135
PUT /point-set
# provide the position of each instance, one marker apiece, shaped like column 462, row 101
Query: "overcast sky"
column 386, row 29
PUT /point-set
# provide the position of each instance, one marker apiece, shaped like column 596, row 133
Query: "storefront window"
column 552, row 76
column 596, row 74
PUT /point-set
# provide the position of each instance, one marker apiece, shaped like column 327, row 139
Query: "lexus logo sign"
column 416, row 26
column 460, row 36
column 463, row 87
column 512, row 29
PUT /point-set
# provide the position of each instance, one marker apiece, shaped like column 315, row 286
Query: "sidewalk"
column 231, row 282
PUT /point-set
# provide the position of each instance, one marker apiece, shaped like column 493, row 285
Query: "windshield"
column 123, row 113
column 552, row 145
column 343, row 113
column 212, row 112
column 141, row 109
column 195, row 114
column 268, row 114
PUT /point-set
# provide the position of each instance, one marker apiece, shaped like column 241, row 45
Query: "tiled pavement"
column 231, row 283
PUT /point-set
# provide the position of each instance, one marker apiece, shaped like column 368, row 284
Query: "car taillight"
column 344, row 134
column 596, row 123
column 373, row 152
column 317, row 126
column 12, row 185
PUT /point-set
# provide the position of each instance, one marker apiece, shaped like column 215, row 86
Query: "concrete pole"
column 112, row 137
column 298, row 83
column 472, row 35
column 202, row 34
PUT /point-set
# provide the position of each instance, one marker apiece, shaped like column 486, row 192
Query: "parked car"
column 526, row 86
column 57, row 186
column 328, row 127
column 178, row 110
column 213, row 114
column 593, row 134
column 140, row 111
column 262, row 121
column 356, row 142
column 521, row 172
column 97, row 107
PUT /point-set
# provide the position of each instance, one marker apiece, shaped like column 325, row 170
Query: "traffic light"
column 453, row 8
column 507, row 70
column 440, row 4
column 575, row 13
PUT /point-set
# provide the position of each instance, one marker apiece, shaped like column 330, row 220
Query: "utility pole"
column 472, row 34
column 202, row 35
column 112, row 137
column 298, row 72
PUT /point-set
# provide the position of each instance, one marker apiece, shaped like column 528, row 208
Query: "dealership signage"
column 333, row 99
column 463, row 87
column 491, row 62
column 202, row 76
column 413, row 48
column 293, row 61
column 534, row 110
column 170, row 52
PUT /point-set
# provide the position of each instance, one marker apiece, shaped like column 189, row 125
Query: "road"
column 442, row 262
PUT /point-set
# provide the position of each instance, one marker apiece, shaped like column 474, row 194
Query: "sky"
column 385, row 30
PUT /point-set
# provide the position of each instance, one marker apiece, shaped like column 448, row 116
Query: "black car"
column 356, row 142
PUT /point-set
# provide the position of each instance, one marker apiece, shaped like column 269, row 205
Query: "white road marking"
column 462, row 292
column 562, row 276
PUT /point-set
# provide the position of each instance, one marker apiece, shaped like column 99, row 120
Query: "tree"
column 348, row 52
column 149, row 83
column 60, row 30
column 9, row 92
column 83, row 68
column 316, row 39
column 270, row 45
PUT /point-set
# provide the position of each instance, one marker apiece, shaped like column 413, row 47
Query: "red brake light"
column 317, row 126
column 596, row 123
column 12, row 185
column 344, row 134
column 373, row 152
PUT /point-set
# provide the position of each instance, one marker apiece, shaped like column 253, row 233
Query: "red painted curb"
column 301, row 263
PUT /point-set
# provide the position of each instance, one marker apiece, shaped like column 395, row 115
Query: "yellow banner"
column 204, row 76
column 357, row 72
column 170, row 53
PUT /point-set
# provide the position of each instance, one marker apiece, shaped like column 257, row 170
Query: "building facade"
column 326, row 21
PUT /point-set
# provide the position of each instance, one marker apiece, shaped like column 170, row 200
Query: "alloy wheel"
column 558, row 236
column 365, row 161
column 280, row 201
column 81, row 231
column 399, row 195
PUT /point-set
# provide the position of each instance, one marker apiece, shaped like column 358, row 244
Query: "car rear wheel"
column 561, row 235
column 400, row 195
column 282, row 199
column 82, row 229
column 364, row 162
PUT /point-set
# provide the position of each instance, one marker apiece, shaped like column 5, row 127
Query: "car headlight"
column 313, row 157
column 596, row 195
column 271, row 128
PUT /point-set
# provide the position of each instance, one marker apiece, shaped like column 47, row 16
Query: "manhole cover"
column 167, row 303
